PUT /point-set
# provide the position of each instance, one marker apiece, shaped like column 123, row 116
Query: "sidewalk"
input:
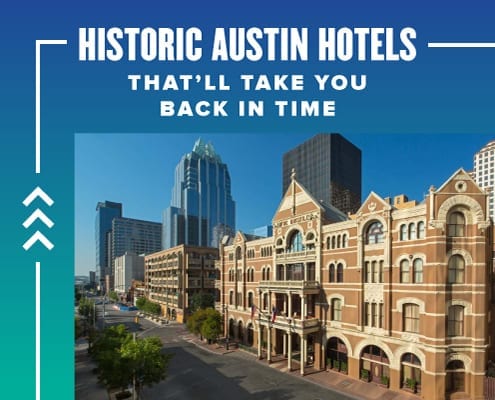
column 87, row 386
column 329, row 379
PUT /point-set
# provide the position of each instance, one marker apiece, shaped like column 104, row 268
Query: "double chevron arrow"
column 37, row 214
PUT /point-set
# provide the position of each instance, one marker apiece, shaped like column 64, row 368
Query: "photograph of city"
column 284, row 266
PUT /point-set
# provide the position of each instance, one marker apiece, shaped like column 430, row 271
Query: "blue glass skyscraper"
column 105, row 213
column 202, row 210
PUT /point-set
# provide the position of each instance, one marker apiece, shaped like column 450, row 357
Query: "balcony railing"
column 295, row 322
column 307, row 254
column 293, row 285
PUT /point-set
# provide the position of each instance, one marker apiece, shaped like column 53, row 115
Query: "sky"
column 138, row 171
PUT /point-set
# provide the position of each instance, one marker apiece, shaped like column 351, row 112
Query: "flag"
column 253, row 309
column 274, row 314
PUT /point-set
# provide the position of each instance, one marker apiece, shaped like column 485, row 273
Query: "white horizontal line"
column 463, row 45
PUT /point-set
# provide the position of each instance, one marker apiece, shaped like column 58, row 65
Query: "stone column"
column 260, row 339
column 289, row 352
column 303, row 353
column 285, row 344
column 269, row 344
column 303, row 306
column 289, row 312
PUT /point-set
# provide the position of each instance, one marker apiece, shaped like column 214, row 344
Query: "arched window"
column 412, row 231
column 331, row 277
column 333, row 242
column 231, row 297
column 456, row 269
column 455, row 224
column 418, row 270
column 410, row 316
column 340, row 272
column 338, row 241
column 263, row 274
column 328, row 242
column 374, row 234
column 295, row 242
column 410, row 372
column 404, row 271
column 344, row 240
column 403, row 232
column 455, row 323
column 455, row 376
column 268, row 274
column 421, row 230
column 336, row 310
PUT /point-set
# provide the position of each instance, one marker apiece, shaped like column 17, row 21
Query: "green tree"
column 201, row 300
column 140, row 303
column 211, row 327
column 113, row 296
column 148, row 306
column 113, row 369
column 147, row 363
column 77, row 294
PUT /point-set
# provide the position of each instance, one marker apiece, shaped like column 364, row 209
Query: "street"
column 196, row 373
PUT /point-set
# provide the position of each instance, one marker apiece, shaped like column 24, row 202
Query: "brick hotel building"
column 398, row 293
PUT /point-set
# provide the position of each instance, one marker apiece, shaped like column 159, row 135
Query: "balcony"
column 306, row 255
column 306, row 325
column 312, row 286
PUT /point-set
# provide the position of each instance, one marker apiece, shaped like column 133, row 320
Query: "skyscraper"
column 105, row 213
column 202, row 210
column 136, row 236
column 483, row 171
column 329, row 166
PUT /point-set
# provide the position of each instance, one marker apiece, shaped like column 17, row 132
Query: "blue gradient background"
column 442, row 91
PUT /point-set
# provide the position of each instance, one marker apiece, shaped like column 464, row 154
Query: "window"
column 374, row 234
column 231, row 297
column 403, row 232
column 344, row 240
column 454, row 381
column 333, row 242
column 456, row 269
column 418, row 270
column 455, row 224
column 421, row 230
column 336, row 310
column 373, row 315
column 455, row 321
column 268, row 274
column 338, row 241
column 295, row 242
column 250, row 299
column 367, row 272
column 340, row 273
column 332, row 273
column 375, row 271
column 382, row 273
column 411, row 318
column 404, row 271
column 328, row 243
column 412, row 231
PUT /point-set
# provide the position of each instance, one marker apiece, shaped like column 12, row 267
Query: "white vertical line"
column 38, row 65
column 38, row 331
column 38, row 97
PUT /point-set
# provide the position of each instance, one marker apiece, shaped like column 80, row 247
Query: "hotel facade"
column 397, row 294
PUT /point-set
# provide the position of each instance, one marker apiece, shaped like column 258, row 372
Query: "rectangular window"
column 374, row 312
column 367, row 314
column 382, row 314
column 411, row 318
column 456, row 321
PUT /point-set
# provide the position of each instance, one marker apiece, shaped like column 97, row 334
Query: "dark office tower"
column 105, row 213
column 329, row 166
column 202, row 210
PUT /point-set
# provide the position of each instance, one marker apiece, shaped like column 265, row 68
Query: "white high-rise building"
column 484, row 171
column 129, row 266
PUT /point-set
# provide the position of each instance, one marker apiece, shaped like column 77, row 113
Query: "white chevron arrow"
column 38, row 192
column 33, row 239
column 34, row 216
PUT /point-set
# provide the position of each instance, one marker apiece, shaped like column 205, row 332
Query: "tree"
column 113, row 370
column 77, row 294
column 122, row 359
column 146, row 361
column 148, row 306
column 212, row 325
column 201, row 300
column 113, row 296
column 205, row 322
